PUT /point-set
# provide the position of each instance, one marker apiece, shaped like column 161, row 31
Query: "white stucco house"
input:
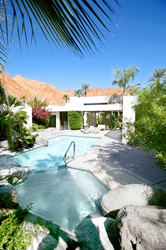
column 93, row 109
column 88, row 106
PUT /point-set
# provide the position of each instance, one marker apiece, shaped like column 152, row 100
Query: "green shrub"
column 13, row 235
column 35, row 127
column 24, row 139
column 161, row 159
column 41, row 127
column 75, row 120
column 158, row 198
column 114, row 122
column 149, row 129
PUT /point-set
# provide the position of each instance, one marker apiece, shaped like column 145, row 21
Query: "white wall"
column 77, row 104
column 80, row 107
column 128, row 113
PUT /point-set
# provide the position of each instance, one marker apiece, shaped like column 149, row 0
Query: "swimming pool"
column 51, row 156
column 63, row 195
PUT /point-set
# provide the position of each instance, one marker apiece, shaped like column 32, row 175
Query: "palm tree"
column 67, row 23
column 78, row 92
column 124, row 77
column 158, row 76
column 135, row 89
column 7, row 103
column 66, row 97
column 20, row 118
column 85, row 87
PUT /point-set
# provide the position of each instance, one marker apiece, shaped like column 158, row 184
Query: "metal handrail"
column 65, row 156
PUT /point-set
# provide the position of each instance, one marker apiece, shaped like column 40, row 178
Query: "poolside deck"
column 113, row 163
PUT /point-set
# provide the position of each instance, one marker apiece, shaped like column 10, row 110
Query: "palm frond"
column 3, row 37
column 124, row 77
column 72, row 24
column 78, row 92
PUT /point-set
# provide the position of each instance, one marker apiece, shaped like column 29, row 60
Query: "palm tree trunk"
column 9, row 136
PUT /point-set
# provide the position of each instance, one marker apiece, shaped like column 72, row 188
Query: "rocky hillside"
column 19, row 86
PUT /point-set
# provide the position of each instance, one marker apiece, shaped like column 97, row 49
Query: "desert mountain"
column 19, row 86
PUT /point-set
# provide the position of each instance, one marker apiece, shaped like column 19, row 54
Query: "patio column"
column 58, row 120
column 85, row 119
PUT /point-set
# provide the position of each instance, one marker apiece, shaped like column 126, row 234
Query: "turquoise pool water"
column 51, row 156
column 63, row 195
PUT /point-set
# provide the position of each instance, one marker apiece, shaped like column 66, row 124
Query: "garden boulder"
column 132, row 194
column 95, row 232
column 11, row 171
column 8, row 196
column 45, row 241
column 142, row 228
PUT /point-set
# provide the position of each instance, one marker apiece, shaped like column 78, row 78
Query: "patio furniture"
column 91, row 129
column 101, row 126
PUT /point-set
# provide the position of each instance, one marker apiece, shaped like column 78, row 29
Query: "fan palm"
column 124, row 77
column 70, row 23
column 7, row 103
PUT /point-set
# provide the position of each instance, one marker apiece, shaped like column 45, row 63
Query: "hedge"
column 75, row 120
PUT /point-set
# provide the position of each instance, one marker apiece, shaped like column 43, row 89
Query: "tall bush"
column 75, row 120
column 150, row 124
column 41, row 115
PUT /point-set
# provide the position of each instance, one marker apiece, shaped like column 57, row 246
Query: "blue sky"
column 139, row 40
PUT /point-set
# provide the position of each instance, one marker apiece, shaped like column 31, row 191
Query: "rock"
column 8, row 196
column 96, row 232
column 45, row 241
column 41, row 141
column 149, row 212
column 11, row 171
column 142, row 228
column 132, row 194
column 11, row 162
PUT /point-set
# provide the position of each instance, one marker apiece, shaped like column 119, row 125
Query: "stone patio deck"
column 113, row 163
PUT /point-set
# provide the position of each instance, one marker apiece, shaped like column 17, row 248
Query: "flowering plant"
column 40, row 115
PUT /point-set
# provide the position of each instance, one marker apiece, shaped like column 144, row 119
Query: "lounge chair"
column 91, row 129
column 101, row 126
column 96, row 130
